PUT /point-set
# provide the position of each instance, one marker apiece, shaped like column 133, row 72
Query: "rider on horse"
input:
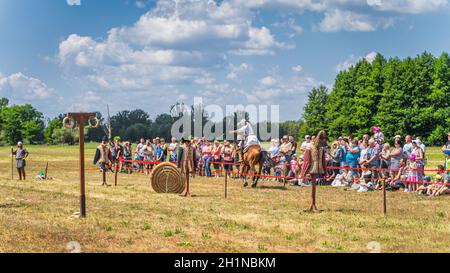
column 245, row 136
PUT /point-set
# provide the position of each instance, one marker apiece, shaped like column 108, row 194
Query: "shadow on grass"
column 10, row 206
column 272, row 188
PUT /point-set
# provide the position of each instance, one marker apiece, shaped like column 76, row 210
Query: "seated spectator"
column 446, row 147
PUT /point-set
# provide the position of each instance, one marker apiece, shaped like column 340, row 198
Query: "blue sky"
column 79, row 55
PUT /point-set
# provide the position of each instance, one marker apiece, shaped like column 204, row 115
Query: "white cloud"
column 352, row 60
column 408, row 6
column 235, row 71
column 339, row 20
column 297, row 68
column 173, row 42
column 140, row 4
column 73, row 2
column 21, row 87
column 268, row 81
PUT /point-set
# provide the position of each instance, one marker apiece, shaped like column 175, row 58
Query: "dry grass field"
column 35, row 216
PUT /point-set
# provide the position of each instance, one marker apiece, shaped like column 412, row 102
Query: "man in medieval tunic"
column 245, row 136
column 185, row 161
column 185, row 157
column 103, row 157
column 314, row 164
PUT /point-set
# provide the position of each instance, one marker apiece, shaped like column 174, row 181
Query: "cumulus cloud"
column 338, row 20
column 352, row 60
column 297, row 68
column 73, row 2
column 173, row 42
column 408, row 6
column 20, row 89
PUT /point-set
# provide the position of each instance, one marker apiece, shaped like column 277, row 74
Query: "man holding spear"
column 21, row 155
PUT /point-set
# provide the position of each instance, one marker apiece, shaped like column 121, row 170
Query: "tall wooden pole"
column 226, row 183
column 384, row 198
column 81, row 118
column 82, row 177
column 12, row 163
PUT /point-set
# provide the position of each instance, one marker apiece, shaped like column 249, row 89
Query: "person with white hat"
column 245, row 136
column 21, row 156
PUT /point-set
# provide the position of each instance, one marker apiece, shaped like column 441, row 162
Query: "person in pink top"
column 293, row 164
column 217, row 157
column 207, row 157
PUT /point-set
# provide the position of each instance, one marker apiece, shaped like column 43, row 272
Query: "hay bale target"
column 167, row 178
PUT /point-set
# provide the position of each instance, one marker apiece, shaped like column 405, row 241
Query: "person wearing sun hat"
column 377, row 131
column 21, row 156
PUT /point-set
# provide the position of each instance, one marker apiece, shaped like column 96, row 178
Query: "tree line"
column 409, row 96
column 27, row 124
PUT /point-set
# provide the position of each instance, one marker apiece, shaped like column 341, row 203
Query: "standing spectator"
column 217, row 157
column 343, row 146
column 294, row 145
column 305, row 143
column 173, row 148
column 396, row 156
column 385, row 160
column 412, row 178
column 424, row 149
column 140, row 155
column 127, row 157
column 207, row 157
column 21, row 156
column 407, row 148
column 351, row 158
column 417, row 151
column 227, row 152
column 163, row 145
column 373, row 160
column 336, row 155
column 285, row 151
column 148, row 156
column 274, row 148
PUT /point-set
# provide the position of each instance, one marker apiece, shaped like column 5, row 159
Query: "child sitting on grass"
column 440, row 186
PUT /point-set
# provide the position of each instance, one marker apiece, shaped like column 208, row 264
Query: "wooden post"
column 226, row 183
column 116, row 167
column 384, row 198
column 12, row 163
column 81, row 118
column 313, row 193
column 46, row 171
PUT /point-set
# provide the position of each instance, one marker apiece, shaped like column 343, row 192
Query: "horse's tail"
column 266, row 159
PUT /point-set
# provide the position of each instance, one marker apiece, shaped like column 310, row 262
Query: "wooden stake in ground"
column 384, row 198
column 12, row 163
column 116, row 170
column 226, row 184
column 81, row 118
column 46, row 171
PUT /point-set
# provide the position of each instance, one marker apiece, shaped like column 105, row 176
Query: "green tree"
column 52, row 125
column 21, row 122
column 315, row 109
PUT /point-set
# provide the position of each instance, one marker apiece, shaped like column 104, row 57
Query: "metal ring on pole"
column 97, row 122
column 68, row 123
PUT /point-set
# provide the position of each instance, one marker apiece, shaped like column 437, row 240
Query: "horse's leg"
column 257, row 175
column 244, row 175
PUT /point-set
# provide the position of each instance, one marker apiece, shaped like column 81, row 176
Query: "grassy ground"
column 35, row 216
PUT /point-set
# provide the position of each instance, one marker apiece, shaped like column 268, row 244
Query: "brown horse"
column 252, row 157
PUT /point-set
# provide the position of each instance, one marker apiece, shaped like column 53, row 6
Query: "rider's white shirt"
column 246, row 131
